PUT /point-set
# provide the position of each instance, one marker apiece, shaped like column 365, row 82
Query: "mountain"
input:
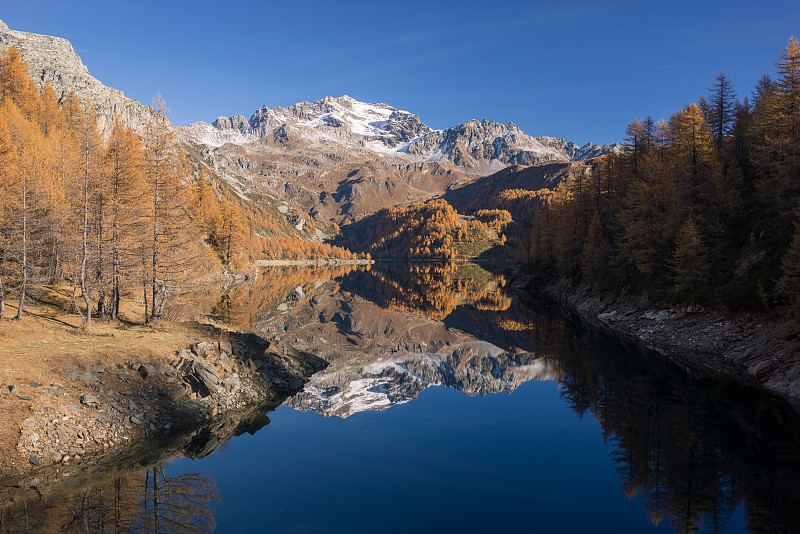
column 336, row 159
column 477, row 146
column 53, row 59
column 342, row 159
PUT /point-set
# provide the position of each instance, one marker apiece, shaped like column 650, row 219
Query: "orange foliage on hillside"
column 423, row 230
column 435, row 289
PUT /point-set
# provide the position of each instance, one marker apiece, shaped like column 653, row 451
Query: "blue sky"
column 580, row 70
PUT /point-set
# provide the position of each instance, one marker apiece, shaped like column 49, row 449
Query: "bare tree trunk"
column 154, row 315
column 24, row 263
column 117, row 498
column 2, row 298
column 102, row 512
column 85, row 512
column 101, row 298
column 144, row 290
column 85, row 258
column 115, row 267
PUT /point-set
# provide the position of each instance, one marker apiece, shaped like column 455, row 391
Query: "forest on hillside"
column 702, row 207
column 426, row 230
column 113, row 214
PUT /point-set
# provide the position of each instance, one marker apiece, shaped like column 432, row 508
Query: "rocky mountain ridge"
column 476, row 146
column 336, row 159
column 52, row 59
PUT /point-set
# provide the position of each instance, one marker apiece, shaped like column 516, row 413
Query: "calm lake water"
column 452, row 406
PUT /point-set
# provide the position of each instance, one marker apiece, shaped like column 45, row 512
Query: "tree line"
column 703, row 206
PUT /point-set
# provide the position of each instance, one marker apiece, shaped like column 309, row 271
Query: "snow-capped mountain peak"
column 478, row 146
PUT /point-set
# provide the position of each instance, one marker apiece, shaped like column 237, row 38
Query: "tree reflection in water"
column 690, row 450
column 146, row 502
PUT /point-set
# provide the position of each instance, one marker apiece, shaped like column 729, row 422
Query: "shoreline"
column 335, row 262
column 321, row 262
column 97, row 410
column 701, row 342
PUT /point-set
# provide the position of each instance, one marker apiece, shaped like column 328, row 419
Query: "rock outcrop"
column 700, row 341
column 53, row 59
column 210, row 380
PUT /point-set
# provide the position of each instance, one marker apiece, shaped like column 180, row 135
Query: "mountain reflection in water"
column 694, row 453
column 689, row 450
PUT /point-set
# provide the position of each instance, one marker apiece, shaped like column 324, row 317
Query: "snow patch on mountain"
column 387, row 131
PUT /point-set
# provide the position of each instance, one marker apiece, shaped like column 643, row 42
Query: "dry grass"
column 48, row 340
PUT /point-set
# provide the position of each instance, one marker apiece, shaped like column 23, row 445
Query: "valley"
column 467, row 315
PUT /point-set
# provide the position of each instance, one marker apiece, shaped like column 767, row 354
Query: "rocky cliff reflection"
column 385, row 349
column 691, row 451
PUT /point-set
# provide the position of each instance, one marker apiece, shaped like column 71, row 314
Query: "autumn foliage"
column 425, row 230
column 701, row 206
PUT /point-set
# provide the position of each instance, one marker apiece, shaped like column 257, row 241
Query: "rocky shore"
column 701, row 341
column 97, row 409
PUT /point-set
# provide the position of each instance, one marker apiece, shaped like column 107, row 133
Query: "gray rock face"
column 202, row 378
column 53, row 59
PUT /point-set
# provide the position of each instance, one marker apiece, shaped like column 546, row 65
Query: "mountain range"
column 336, row 159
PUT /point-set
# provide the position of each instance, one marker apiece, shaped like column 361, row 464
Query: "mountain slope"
column 337, row 159
column 53, row 59
column 342, row 159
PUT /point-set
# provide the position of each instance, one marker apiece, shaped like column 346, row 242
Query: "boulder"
column 200, row 376
column 204, row 348
column 146, row 370
column 88, row 399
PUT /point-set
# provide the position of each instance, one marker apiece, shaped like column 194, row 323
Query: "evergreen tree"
column 594, row 256
column 689, row 263
column 721, row 109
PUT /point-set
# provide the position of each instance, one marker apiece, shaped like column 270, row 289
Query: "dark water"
column 452, row 406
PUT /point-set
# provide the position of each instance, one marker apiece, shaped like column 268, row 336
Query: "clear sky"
column 581, row 70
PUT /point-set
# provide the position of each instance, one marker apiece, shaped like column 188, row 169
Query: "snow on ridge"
column 386, row 130
column 207, row 134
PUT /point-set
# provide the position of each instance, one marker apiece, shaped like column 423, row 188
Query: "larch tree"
column 89, row 143
column 49, row 114
column 8, row 173
column 124, row 161
column 31, row 210
column 648, row 218
column 689, row 262
column 594, row 256
column 788, row 84
column 165, row 170
column 15, row 82
column 789, row 282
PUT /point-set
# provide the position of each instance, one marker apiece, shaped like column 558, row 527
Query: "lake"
column 451, row 404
